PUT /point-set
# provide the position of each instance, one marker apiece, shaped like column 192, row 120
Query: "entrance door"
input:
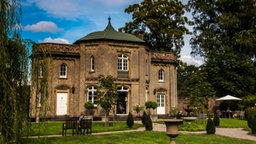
column 62, row 102
column 160, row 102
column 122, row 103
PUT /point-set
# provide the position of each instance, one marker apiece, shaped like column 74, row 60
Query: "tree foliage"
column 14, row 89
column 225, row 34
column 194, row 84
column 161, row 22
column 107, row 94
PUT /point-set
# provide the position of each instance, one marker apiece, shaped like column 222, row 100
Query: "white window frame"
column 123, row 64
column 161, row 75
column 92, row 64
column 63, row 71
column 91, row 92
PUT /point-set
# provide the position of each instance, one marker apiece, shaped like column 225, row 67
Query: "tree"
column 184, row 72
column 224, row 33
column 197, row 88
column 14, row 89
column 161, row 22
column 107, row 94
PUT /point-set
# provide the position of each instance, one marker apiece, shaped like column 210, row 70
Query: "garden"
column 49, row 132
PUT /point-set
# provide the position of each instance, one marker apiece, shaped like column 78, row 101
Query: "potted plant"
column 151, row 105
column 138, row 109
column 89, row 109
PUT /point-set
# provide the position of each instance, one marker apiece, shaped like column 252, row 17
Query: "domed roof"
column 110, row 34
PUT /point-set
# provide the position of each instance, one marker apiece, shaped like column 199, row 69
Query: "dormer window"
column 63, row 71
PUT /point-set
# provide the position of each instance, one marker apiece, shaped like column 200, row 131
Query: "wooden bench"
column 85, row 124
column 69, row 124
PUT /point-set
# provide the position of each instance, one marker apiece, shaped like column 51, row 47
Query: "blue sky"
column 65, row 21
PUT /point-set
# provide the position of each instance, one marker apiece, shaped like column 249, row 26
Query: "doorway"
column 62, row 104
column 161, row 103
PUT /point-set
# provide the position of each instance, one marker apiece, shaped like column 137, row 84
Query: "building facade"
column 73, row 70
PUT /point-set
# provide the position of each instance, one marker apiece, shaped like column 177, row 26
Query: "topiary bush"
column 210, row 127
column 253, row 125
column 148, row 123
column 151, row 104
column 143, row 118
column 250, row 115
column 216, row 120
column 130, row 120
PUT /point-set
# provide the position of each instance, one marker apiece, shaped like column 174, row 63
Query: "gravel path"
column 229, row 132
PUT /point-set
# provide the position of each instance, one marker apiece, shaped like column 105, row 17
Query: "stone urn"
column 189, row 119
column 172, row 129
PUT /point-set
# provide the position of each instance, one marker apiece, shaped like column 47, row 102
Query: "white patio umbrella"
column 228, row 97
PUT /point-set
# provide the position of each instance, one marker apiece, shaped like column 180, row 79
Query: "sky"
column 65, row 21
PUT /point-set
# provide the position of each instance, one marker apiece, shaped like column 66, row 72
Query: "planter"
column 172, row 129
column 154, row 117
column 189, row 119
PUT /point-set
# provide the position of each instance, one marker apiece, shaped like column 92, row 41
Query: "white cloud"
column 191, row 60
column 80, row 9
column 43, row 26
column 56, row 40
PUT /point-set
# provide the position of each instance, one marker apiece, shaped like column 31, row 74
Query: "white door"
column 160, row 102
column 62, row 103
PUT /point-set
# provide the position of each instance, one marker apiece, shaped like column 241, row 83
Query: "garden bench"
column 85, row 124
column 69, row 124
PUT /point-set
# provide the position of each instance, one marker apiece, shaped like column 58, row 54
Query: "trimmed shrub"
column 249, row 119
column 151, row 104
column 250, row 115
column 148, row 123
column 143, row 118
column 216, row 120
column 210, row 127
column 253, row 125
column 130, row 120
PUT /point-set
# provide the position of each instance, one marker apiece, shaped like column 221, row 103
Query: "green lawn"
column 200, row 124
column 233, row 123
column 145, row 137
column 55, row 128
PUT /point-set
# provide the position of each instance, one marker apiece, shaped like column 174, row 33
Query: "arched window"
column 122, row 62
column 161, row 75
column 92, row 63
column 63, row 71
column 91, row 95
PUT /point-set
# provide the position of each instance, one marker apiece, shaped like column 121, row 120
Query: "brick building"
column 141, row 74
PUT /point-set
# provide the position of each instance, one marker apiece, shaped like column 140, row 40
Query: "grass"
column 145, row 137
column 200, row 124
column 233, row 123
column 55, row 128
